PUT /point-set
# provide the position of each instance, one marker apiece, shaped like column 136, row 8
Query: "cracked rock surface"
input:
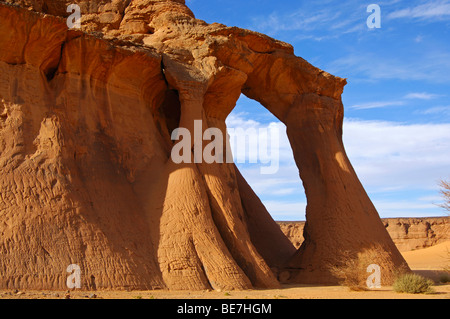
column 86, row 176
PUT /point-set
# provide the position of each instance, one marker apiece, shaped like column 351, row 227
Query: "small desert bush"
column 444, row 278
column 349, row 272
column 351, row 269
column 413, row 284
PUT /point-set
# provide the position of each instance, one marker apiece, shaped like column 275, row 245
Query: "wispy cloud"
column 431, row 10
column 403, row 101
column 314, row 20
column 296, row 21
column 422, row 96
column 419, row 38
column 433, row 67
column 373, row 105
column 437, row 110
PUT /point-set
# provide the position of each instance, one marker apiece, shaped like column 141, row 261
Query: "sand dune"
column 433, row 258
column 429, row 262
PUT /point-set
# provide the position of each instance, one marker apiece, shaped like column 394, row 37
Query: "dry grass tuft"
column 351, row 269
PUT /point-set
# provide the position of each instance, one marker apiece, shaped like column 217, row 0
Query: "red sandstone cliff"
column 86, row 175
column 407, row 233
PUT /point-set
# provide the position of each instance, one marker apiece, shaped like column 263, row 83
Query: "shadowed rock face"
column 86, row 172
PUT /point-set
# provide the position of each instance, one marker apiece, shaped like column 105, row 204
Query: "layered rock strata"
column 407, row 233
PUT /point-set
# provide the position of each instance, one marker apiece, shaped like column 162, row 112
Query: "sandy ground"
column 428, row 262
column 435, row 257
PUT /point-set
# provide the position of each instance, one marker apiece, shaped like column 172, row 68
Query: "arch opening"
column 268, row 167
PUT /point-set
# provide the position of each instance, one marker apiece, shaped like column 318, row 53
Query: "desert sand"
column 428, row 262
column 87, row 174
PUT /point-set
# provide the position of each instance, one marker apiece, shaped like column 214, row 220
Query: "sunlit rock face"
column 87, row 177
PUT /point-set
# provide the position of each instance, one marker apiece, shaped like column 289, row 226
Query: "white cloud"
column 440, row 110
column 241, row 120
column 389, row 157
column 389, row 154
column 431, row 199
column 314, row 20
column 409, row 96
column 421, row 96
column 430, row 10
column 373, row 105
column 286, row 211
column 419, row 38
column 434, row 67
column 285, row 191
column 261, row 132
column 294, row 21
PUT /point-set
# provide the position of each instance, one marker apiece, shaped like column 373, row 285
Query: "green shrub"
column 413, row 284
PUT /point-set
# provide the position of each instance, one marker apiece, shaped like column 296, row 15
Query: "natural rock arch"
column 86, row 174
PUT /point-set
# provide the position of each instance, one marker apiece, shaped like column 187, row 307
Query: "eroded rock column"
column 340, row 217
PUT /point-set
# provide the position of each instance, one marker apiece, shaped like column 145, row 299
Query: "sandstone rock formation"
column 417, row 233
column 407, row 233
column 85, row 166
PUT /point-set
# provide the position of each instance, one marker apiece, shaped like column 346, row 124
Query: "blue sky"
column 397, row 100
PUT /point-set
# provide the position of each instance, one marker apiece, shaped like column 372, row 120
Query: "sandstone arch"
column 86, row 174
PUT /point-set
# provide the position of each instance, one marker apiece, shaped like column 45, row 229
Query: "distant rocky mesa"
column 86, row 176
column 407, row 233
